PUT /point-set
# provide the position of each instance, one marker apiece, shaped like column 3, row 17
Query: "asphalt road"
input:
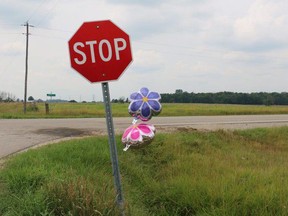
column 17, row 135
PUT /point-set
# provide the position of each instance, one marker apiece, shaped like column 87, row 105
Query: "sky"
column 193, row 45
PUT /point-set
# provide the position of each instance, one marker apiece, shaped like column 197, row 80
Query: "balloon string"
column 126, row 148
column 135, row 120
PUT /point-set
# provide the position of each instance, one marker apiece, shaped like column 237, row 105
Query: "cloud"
column 144, row 20
column 187, row 44
column 148, row 59
column 12, row 49
column 147, row 3
column 14, row 12
column 257, row 26
column 264, row 27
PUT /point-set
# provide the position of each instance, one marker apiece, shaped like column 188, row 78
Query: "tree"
column 178, row 91
column 6, row 97
column 30, row 98
column 121, row 100
column 255, row 98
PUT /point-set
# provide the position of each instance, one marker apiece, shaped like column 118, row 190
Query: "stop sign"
column 100, row 51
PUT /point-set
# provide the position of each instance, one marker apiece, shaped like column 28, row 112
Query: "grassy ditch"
column 96, row 110
column 183, row 173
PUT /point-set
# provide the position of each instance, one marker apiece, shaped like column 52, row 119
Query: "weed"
column 96, row 110
column 182, row 173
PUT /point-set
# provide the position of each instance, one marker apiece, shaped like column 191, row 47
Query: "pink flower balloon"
column 138, row 135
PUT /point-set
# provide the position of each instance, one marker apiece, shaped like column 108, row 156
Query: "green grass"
column 96, row 110
column 183, row 173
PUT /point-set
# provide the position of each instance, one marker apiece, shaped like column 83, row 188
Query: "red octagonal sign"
column 100, row 51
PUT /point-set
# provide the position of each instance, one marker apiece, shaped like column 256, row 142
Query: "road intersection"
column 19, row 134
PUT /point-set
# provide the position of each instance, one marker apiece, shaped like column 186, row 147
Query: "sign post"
column 112, row 145
column 100, row 51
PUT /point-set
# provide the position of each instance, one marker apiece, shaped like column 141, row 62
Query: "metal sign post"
column 113, row 148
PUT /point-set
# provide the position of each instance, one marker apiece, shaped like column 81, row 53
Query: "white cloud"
column 148, row 58
column 13, row 48
column 264, row 26
column 195, row 45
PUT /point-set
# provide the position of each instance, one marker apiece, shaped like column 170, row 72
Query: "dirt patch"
column 186, row 129
column 64, row 132
column 175, row 129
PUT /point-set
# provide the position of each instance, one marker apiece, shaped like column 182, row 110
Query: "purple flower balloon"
column 144, row 104
column 138, row 135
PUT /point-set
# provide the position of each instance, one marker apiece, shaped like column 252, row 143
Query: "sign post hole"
column 100, row 51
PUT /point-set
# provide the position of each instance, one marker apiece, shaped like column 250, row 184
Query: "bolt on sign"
column 100, row 51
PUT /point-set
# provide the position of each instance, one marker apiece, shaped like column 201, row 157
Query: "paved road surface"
column 16, row 135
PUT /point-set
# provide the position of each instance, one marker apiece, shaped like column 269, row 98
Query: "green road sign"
column 51, row 95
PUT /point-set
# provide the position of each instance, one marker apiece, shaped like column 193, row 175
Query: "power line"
column 48, row 13
column 10, row 33
column 52, row 29
column 49, row 36
column 35, row 10
column 201, row 52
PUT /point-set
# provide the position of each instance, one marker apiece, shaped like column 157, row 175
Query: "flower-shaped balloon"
column 138, row 135
column 144, row 104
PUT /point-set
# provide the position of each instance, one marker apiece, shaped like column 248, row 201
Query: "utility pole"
column 26, row 63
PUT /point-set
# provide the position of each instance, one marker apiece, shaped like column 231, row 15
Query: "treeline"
column 7, row 97
column 261, row 98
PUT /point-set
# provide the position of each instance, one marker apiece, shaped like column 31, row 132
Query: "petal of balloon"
column 145, row 111
column 135, row 135
column 126, row 132
column 144, row 128
column 138, row 96
column 133, row 95
column 154, row 95
column 152, row 128
column 142, row 118
column 135, row 105
column 155, row 105
column 144, row 91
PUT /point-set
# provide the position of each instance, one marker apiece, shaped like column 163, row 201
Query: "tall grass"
column 88, row 110
column 183, row 173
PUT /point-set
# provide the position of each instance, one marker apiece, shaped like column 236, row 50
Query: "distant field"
column 183, row 173
column 96, row 110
